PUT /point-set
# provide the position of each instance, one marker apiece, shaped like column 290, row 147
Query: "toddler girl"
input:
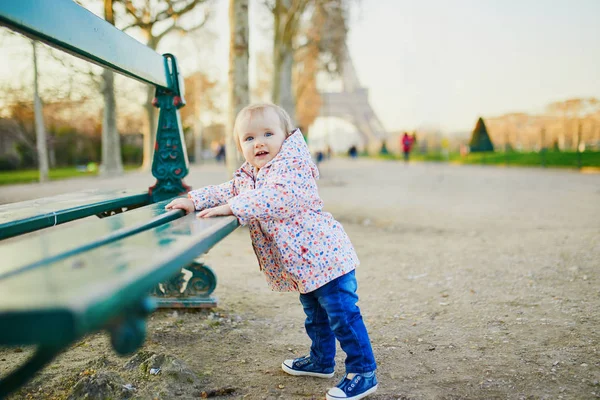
column 299, row 247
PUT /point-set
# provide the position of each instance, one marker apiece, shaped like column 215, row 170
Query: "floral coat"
column 299, row 246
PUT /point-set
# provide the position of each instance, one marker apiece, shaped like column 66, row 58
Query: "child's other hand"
column 186, row 205
column 215, row 211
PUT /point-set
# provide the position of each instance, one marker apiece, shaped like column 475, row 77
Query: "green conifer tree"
column 384, row 150
column 480, row 140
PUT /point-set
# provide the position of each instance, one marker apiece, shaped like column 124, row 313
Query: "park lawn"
column 32, row 175
column 533, row 159
column 560, row 159
column 414, row 157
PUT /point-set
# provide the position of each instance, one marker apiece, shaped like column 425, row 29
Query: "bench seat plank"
column 31, row 215
column 65, row 299
column 34, row 250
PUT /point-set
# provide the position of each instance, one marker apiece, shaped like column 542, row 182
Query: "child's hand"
column 215, row 211
column 182, row 204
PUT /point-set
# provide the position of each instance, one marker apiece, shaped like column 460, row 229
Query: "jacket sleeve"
column 289, row 188
column 212, row 196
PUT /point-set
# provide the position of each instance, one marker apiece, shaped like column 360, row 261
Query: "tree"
column 261, row 90
column 156, row 19
column 77, row 116
column 572, row 111
column 480, row 140
column 40, row 129
column 68, row 103
column 327, row 19
column 324, row 50
column 286, row 20
column 331, row 21
column 239, row 95
column 112, row 163
column 307, row 97
column 200, row 99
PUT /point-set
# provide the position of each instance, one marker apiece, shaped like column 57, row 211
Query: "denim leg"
column 339, row 298
column 322, row 349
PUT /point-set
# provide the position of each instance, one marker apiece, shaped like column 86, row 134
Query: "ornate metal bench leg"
column 194, row 292
column 25, row 372
column 128, row 333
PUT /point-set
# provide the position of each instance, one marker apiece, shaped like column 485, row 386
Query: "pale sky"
column 441, row 64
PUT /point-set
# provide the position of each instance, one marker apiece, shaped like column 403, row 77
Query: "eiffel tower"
column 352, row 105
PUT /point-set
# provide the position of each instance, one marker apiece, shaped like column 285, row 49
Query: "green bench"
column 58, row 284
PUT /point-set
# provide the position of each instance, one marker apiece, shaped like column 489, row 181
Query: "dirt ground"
column 475, row 283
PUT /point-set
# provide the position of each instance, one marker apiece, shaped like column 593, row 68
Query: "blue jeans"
column 332, row 313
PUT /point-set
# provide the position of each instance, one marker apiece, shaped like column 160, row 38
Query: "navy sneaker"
column 303, row 366
column 361, row 385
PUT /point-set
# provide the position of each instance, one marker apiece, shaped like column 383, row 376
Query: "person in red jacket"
column 407, row 143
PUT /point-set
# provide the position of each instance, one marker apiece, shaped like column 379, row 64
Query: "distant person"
column 407, row 143
column 320, row 156
column 353, row 152
column 299, row 247
column 220, row 157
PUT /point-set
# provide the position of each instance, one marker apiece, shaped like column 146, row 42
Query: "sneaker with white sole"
column 304, row 366
column 357, row 387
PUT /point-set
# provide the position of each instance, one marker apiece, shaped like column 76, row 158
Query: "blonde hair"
column 250, row 110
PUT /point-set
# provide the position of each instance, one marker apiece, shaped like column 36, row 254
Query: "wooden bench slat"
column 34, row 250
column 77, row 295
column 28, row 216
column 72, row 28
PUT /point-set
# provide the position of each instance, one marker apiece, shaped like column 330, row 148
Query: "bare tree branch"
column 269, row 5
column 175, row 27
column 171, row 13
column 146, row 16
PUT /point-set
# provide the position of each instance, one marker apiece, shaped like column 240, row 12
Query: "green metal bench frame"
column 65, row 25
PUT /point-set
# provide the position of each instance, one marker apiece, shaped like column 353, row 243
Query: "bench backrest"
column 65, row 25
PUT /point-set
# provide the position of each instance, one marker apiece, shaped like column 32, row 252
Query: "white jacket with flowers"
column 299, row 246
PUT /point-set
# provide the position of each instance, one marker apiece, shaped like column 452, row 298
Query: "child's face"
column 261, row 136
